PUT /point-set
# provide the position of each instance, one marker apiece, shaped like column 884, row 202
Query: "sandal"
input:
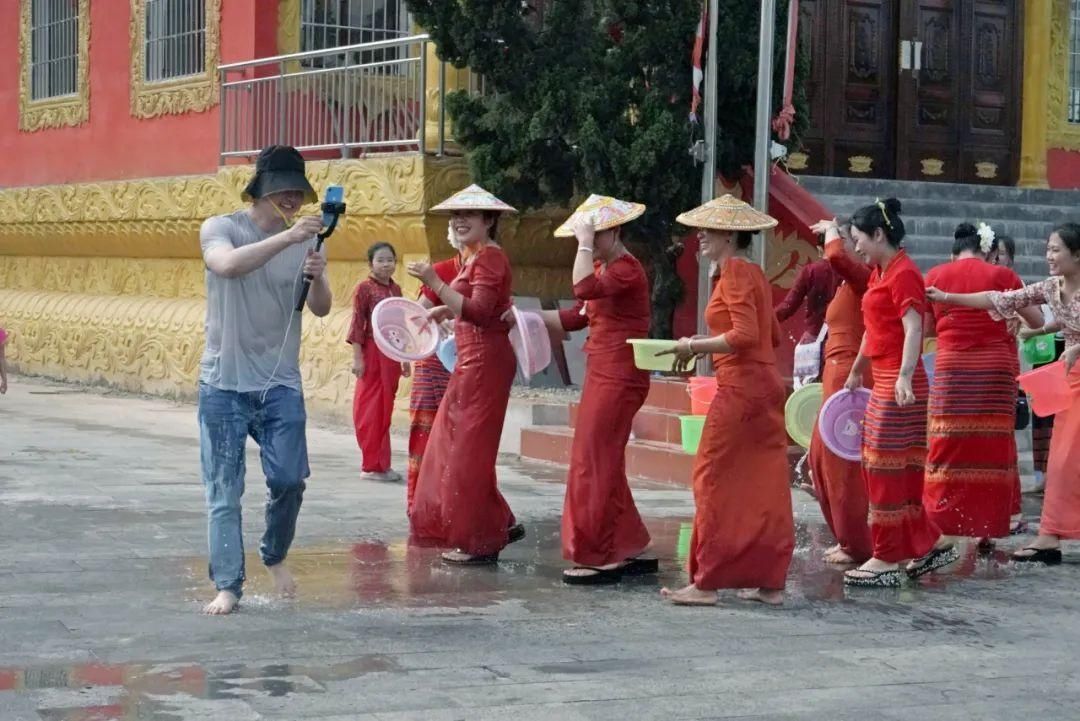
column 598, row 577
column 515, row 533
column 460, row 558
column 640, row 566
column 937, row 558
column 876, row 579
column 1020, row 528
column 1049, row 556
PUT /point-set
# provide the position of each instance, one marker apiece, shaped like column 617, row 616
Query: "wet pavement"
column 103, row 572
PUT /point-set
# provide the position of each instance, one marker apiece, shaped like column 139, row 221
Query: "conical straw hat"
column 472, row 198
column 727, row 213
column 605, row 213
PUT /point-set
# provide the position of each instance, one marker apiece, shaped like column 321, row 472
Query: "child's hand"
column 406, row 370
column 358, row 367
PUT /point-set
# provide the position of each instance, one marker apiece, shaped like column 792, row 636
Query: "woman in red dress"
column 457, row 501
column 744, row 533
column 894, row 429
column 430, row 379
column 377, row 376
column 602, row 532
column 972, row 480
column 838, row 483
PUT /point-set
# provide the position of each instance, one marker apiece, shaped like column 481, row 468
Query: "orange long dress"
column 839, row 484
column 457, row 502
column 744, row 533
column 600, row 522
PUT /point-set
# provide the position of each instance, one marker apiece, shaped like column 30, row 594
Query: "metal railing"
column 348, row 101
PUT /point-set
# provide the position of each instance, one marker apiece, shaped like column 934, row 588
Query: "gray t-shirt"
column 247, row 317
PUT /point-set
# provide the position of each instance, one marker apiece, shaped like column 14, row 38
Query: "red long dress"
column 744, row 533
column 373, row 400
column 894, row 438
column 839, row 484
column 600, row 522
column 972, row 481
column 430, row 379
column 457, row 502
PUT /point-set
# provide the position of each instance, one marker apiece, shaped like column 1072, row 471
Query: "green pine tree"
column 594, row 97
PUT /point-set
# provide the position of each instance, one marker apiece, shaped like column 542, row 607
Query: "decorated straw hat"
column 727, row 213
column 472, row 198
column 605, row 213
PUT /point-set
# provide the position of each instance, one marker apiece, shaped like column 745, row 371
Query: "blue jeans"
column 226, row 419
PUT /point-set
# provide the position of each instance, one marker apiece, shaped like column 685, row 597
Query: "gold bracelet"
column 690, row 346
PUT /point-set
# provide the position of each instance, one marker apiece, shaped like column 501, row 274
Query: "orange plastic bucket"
column 702, row 390
column 1048, row 388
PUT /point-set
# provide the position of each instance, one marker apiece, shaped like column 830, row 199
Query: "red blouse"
column 368, row 293
column 815, row 285
column 741, row 309
column 485, row 282
column 616, row 303
column 960, row 328
column 890, row 293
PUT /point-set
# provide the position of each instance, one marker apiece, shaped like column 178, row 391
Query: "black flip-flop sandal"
column 640, row 566
column 938, row 558
column 599, row 577
column 876, row 579
column 485, row 560
column 515, row 533
column 1049, row 556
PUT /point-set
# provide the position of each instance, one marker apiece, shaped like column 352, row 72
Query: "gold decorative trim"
column 798, row 161
column 932, row 166
column 66, row 111
column 193, row 94
column 860, row 164
column 288, row 31
column 1060, row 132
column 986, row 170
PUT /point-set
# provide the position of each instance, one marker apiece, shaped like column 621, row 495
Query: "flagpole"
column 708, row 178
column 763, row 130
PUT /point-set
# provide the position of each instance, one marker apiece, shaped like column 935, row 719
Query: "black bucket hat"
column 278, row 168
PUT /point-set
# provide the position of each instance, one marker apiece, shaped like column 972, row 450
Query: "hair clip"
column 884, row 214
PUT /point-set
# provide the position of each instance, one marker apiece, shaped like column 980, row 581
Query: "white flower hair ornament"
column 986, row 238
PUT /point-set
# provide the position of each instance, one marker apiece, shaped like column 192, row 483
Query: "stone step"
column 650, row 424
column 904, row 189
column 668, row 394
column 956, row 211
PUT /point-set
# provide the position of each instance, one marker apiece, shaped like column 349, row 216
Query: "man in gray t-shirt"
column 249, row 377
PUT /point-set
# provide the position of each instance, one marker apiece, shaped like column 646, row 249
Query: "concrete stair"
column 655, row 451
column 933, row 210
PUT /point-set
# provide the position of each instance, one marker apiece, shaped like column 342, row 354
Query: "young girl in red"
column 377, row 376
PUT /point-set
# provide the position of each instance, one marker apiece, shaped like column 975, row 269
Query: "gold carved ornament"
column 986, row 170
column 191, row 94
column 932, row 166
column 58, row 112
column 798, row 161
column 860, row 164
column 1060, row 132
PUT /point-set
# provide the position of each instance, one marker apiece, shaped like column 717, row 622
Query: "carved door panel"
column 958, row 104
column 851, row 88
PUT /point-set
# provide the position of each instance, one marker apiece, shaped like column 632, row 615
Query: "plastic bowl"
column 403, row 331
column 840, row 422
column 801, row 413
column 645, row 350
column 702, row 390
column 447, row 353
column 1040, row 349
column 1048, row 389
column 691, row 432
column 531, row 342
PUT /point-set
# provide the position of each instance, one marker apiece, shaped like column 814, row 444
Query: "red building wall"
column 113, row 145
column 1063, row 168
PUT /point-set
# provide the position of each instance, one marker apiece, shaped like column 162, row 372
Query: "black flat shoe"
column 938, row 558
column 598, row 577
column 1049, row 556
column 515, row 533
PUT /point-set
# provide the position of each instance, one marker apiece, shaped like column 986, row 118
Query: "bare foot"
column 690, row 596
column 1041, row 543
column 871, row 568
column 284, row 583
column 762, row 595
column 838, row 556
column 222, row 605
column 831, row 549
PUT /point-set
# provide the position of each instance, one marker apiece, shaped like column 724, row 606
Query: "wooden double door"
column 913, row 89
